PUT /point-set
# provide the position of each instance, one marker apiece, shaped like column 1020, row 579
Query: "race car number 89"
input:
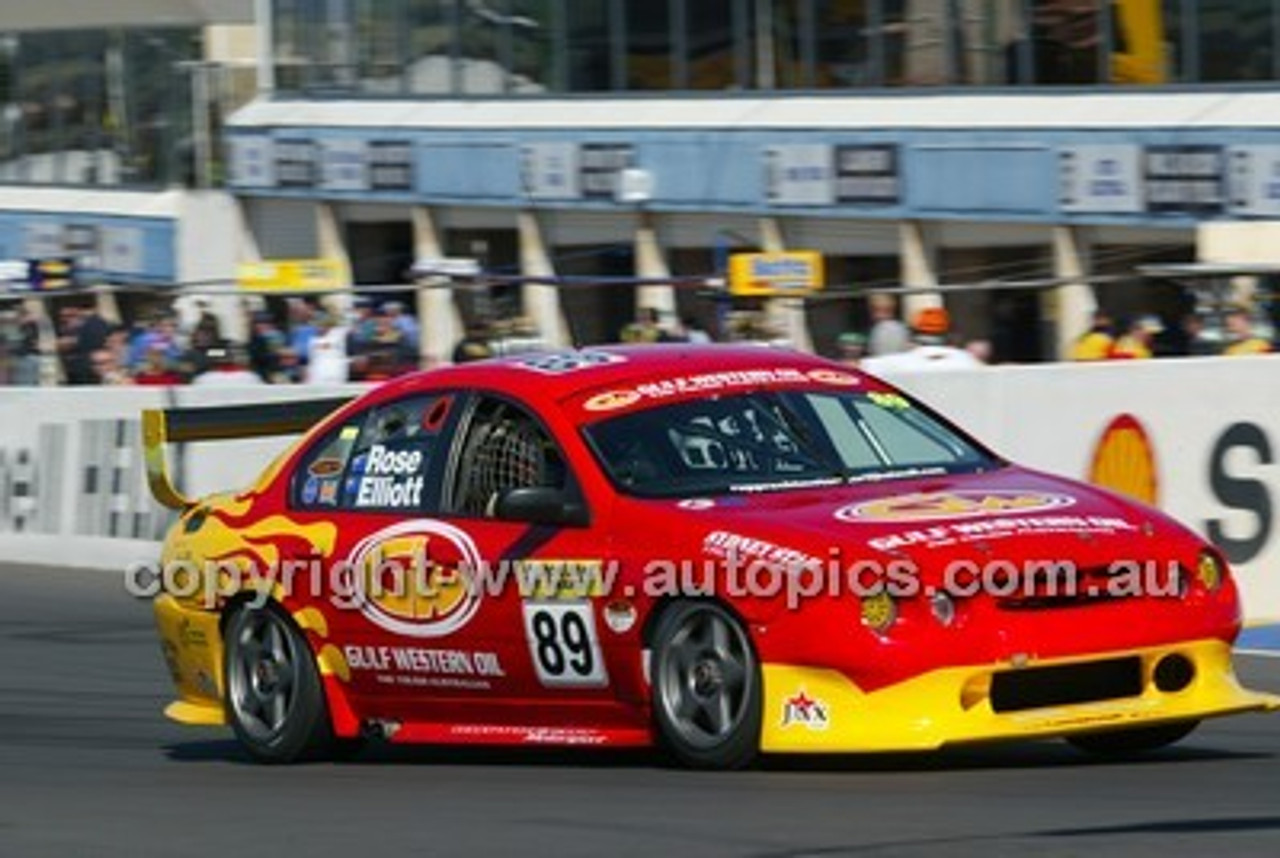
column 562, row 640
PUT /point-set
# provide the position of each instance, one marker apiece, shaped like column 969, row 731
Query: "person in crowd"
column 267, row 345
column 1097, row 342
column 1137, row 341
column 108, row 369
column 27, row 348
column 928, row 351
column 83, row 332
column 388, row 353
column 162, row 333
column 405, row 323
column 156, row 370
column 887, row 334
column 646, row 328
column 360, row 335
column 1197, row 344
column 226, row 365
column 301, row 330
column 694, row 332
column 327, row 360
column 474, row 345
column 981, row 349
column 1239, row 335
column 852, row 347
column 207, row 332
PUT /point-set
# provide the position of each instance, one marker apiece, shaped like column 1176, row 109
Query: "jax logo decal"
column 923, row 506
column 416, row 578
column 805, row 711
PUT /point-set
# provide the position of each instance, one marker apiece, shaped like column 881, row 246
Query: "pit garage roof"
column 1036, row 110
column 34, row 15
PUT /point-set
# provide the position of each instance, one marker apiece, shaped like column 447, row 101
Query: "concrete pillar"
column 787, row 315
column 438, row 315
column 331, row 244
column 1069, row 306
column 541, row 301
column 652, row 262
column 919, row 251
column 105, row 302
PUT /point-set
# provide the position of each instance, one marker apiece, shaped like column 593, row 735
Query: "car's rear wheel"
column 706, row 686
column 1132, row 740
column 275, row 701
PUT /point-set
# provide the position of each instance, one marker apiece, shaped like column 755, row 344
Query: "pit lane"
column 88, row 766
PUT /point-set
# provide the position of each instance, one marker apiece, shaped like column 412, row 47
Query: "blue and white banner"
column 1253, row 180
column 799, row 175
column 1100, row 179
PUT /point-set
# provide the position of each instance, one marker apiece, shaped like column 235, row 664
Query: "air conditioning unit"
column 635, row 186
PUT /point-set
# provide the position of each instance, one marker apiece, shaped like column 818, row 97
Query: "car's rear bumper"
column 821, row 710
column 192, row 644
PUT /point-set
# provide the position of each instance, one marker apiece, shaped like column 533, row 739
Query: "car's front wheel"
column 274, row 698
column 706, row 686
column 1132, row 740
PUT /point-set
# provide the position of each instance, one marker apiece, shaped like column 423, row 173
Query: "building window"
column 432, row 34
column 1237, row 40
column 380, row 46
column 840, row 44
column 535, row 61
column 718, row 43
column 291, row 50
column 590, row 46
column 651, row 49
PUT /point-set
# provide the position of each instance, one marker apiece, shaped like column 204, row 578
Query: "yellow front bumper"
column 192, row 644
column 818, row 710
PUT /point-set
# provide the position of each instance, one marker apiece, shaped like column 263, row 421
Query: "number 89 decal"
column 562, row 640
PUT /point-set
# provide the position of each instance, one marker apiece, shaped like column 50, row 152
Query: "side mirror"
column 540, row 505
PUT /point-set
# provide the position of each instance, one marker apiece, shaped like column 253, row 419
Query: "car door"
column 545, row 578
column 394, row 601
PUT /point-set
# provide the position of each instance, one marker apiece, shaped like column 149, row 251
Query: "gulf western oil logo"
column 959, row 504
column 1124, row 459
column 415, row 578
column 612, row 400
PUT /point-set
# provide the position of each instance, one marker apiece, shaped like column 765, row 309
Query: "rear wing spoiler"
column 161, row 426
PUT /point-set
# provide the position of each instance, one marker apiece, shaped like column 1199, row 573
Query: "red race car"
column 721, row 550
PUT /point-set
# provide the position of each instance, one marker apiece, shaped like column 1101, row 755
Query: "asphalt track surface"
column 88, row 766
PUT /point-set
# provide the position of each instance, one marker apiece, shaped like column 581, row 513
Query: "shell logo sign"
column 1124, row 460
column 416, row 578
column 924, row 506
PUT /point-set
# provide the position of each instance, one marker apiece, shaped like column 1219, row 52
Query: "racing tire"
column 274, row 698
column 1132, row 740
column 706, row 683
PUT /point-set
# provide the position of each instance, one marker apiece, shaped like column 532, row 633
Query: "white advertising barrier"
column 72, row 484
column 1200, row 437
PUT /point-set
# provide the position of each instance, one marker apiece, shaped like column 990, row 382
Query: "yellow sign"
column 291, row 275
column 796, row 272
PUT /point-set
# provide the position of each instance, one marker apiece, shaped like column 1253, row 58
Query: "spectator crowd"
column 375, row 342
column 304, row 343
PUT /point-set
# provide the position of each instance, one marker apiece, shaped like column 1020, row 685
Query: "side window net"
column 505, row 449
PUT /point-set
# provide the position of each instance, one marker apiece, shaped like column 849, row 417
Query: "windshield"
column 773, row 440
